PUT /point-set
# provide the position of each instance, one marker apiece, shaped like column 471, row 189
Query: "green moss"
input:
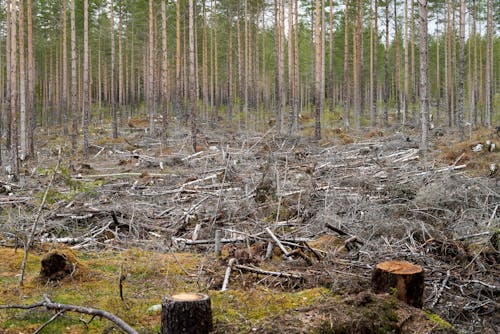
column 443, row 324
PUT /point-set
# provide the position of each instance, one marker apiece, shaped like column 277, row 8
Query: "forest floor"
column 341, row 205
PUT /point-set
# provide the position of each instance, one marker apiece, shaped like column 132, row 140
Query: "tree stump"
column 188, row 313
column 406, row 278
column 56, row 265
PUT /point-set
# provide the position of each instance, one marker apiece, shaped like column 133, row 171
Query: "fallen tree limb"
column 50, row 305
column 267, row 272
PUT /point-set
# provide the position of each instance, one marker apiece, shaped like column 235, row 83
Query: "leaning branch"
column 50, row 305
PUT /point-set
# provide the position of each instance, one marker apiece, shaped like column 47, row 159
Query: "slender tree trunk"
column 374, row 80
column 14, row 154
column 386, row 66
column 74, row 82
column 164, row 72
column 397, row 65
column 489, row 65
column 65, row 69
column 246, row 65
column 291, row 69
column 178, row 73
column 413, row 75
column 407, row 66
column 281, row 64
column 357, row 69
column 449, row 80
column 8, row 52
column 230, row 69
column 23, row 154
column 121, row 84
column 330, row 60
column 346, row 66
column 192, row 75
column 86, row 76
column 151, row 60
column 461, row 72
column 204, row 64
column 438, row 76
column 277, row 97
column 424, row 79
column 319, row 69
column 475, row 84
column 31, row 82
column 114, row 121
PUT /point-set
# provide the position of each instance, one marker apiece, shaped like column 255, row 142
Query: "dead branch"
column 230, row 264
column 267, row 272
column 50, row 305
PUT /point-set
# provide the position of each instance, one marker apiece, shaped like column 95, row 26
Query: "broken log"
column 188, row 313
column 406, row 278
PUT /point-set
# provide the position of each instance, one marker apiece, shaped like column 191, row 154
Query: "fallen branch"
column 267, row 272
column 278, row 242
column 440, row 292
column 228, row 273
column 50, row 305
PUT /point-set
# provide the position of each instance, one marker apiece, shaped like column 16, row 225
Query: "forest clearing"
column 253, row 166
column 339, row 207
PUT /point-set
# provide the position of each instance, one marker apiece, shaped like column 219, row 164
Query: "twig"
column 27, row 245
column 57, row 315
column 438, row 294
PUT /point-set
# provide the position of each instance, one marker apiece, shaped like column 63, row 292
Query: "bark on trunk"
column 188, row 313
column 406, row 278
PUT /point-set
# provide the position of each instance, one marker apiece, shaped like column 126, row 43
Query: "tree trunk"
column 23, row 154
column 114, row 121
column 346, row 66
column 397, row 65
column 461, row 73
column 407, row 67
column 386, row 66
column 164, row 72
column 291, row 69
column 64, row 97
column 151, row 60
column 230, row 69
column 406, row 278
column 188, row 313
column 31, row 81
column 357, row 69
column 318, row 70
column 375, row 68
column 14, row 154
column 204, row 63
column 86, row 73
column 8, row 69
column 489, row 65
column 74, row 82
column 178, row 80
column 192, row 76
column 424, row 77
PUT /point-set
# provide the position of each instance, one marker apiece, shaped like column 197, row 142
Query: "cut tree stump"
column 188, row 313
column 406, row 278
